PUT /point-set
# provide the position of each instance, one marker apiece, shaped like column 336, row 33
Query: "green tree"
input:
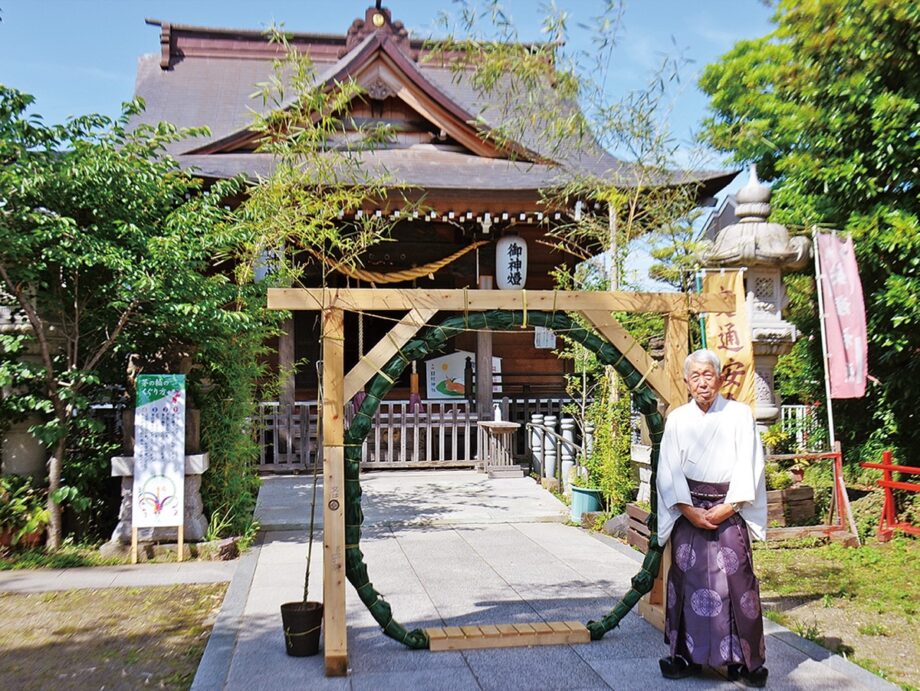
column 828, row 105
column 562, row 95
column 106, row 249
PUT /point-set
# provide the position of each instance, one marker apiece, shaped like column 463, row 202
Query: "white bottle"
column 496, row 412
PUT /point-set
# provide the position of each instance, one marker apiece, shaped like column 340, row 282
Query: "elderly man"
column 711, row 498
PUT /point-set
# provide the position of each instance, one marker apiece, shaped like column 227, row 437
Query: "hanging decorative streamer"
column 379, row 278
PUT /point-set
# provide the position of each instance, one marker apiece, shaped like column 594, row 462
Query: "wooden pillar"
column 334, row 626
column 286, row 393
column 676, row 349
column 676, row 344
column 484, row 374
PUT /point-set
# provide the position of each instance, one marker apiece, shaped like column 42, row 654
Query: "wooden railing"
column 287, row 436
column 428, row 434
column 888, row 522
column 434, row 433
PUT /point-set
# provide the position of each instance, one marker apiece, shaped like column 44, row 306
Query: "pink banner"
column 844, row 317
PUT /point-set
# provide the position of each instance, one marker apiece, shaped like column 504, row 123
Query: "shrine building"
column 481, row 198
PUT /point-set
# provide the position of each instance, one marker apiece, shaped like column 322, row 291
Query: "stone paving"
column 455, row 548
column 444, row 548
column 125, row 576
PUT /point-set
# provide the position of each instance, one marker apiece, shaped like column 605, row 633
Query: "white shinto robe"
column 720, row 445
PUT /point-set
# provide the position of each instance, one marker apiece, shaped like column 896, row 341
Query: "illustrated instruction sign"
column 159, row 451
column 444, row 375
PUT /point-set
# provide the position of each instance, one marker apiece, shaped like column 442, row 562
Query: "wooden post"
column 334, row 625
column 677, row 332
column 676, row 339
column 652, row 606
column 888, row 515
column 286, row 394
column 181, row 537
column 484, row 376
column 133, row 543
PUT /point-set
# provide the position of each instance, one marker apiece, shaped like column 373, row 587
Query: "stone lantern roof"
column 753, row 241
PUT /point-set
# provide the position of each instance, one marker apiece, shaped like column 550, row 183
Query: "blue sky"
column 79, row 56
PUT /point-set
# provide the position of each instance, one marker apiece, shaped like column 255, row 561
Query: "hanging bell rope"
column 377, row 277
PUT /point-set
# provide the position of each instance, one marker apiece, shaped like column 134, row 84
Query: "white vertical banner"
column 159, row 451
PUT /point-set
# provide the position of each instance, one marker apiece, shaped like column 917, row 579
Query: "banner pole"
column 819, row 278
column 699, row 290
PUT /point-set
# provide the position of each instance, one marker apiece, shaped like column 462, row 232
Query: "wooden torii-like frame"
column 665, row 378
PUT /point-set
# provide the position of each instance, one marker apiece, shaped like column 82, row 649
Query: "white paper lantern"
column 511, row 263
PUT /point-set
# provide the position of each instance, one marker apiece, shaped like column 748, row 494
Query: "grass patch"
column 873, row 629
column 777, row 617
column 877, row 575
column 67, row 557
column 810, row 632
column 863, row 604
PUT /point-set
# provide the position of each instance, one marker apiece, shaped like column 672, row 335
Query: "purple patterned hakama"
column 713, row 614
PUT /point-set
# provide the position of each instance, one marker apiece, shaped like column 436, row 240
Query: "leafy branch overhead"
column 323, row 174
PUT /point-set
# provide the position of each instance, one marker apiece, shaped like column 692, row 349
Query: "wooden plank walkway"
column 507, row 635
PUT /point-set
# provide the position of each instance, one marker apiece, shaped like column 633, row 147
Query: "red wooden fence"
column 888, row 522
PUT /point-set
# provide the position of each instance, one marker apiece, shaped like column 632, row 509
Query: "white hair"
column 703, row 356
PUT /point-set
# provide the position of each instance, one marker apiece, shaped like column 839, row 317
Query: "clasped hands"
column 707, row 519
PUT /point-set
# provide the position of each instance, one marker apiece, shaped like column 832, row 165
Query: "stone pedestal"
column 196, row 525
column 642, row 462
column 22, row 453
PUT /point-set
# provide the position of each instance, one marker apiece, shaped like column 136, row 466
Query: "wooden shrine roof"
column 205, row 77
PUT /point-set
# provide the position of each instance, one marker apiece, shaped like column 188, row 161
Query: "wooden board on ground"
column 507, row 635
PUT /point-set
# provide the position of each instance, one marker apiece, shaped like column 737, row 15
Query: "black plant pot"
column 302, row 622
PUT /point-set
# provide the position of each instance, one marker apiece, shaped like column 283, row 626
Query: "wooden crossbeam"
column 381, row 353
column 360, row 299
column 507, row 635
column 623, row 341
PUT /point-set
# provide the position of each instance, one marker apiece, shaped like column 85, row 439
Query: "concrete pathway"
column 455, row 548
column 124, row 576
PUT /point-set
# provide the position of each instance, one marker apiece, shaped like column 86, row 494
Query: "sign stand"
column 158, row 495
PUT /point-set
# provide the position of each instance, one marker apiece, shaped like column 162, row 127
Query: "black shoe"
column 757, row 678
column 677, row 667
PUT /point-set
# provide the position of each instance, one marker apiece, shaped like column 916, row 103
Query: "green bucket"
column 585, row 500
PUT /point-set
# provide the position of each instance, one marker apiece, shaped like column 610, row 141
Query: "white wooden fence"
column 435, row 433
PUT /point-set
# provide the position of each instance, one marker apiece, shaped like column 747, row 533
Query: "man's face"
column 704, row 383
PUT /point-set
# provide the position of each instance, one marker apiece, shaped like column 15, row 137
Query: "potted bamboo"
column 302, row 620
column 295, row 216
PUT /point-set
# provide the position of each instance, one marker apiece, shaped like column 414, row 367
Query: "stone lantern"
column 766, row 251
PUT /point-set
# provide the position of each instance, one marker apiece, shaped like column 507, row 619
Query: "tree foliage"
column 107, row 249
column 561, row 96
column 828, row 104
